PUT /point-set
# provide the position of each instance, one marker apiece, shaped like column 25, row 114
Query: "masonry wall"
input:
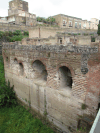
column 37, row 73
column 45, row 32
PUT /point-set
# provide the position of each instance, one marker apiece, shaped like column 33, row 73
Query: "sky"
column 85, row 9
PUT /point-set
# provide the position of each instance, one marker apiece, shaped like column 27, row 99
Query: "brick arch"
column 68, row 66
column 40, row 67
column 41, row 62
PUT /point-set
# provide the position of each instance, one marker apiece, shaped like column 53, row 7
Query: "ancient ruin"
column 59, row 81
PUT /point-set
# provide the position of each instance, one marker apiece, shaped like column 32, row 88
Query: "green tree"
column 98, row 32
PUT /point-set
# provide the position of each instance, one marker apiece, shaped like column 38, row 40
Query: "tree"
column 98, row 32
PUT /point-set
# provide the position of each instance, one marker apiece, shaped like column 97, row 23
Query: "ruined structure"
column 18, row 14
column 59, row 82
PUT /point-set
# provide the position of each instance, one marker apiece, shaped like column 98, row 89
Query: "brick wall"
column 37, row 73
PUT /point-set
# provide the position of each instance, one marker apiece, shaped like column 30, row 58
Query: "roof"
column 68, row 16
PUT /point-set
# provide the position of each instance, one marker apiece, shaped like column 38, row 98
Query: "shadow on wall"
column 39, row 70
column 65, row 77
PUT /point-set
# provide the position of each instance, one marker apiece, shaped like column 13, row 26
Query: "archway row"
column 40, row 73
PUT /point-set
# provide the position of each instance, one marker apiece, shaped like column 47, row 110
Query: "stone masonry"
column 57, row 80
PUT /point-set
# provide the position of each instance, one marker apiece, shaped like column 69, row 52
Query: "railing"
column 96, row 125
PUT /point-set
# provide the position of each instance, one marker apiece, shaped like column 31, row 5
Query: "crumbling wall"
column 40, row 85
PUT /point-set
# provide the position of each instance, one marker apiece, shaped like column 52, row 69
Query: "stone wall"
column 13, row 27
column 45, row 32
column 56, row 80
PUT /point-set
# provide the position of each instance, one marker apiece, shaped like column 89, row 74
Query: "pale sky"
column 85, row 9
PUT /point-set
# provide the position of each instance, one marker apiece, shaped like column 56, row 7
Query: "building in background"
column 65, row 21
column 18, row 14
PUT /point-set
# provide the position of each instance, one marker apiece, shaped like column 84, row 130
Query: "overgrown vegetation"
column 10, row 36
column 49, row 20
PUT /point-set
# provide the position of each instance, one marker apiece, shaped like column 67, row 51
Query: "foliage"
column 2, row 79
column 19, row 120
column 49, row 20
column 83, row 106
column 79, row 33
column 85, row 34
column 98, row 32
column 82, row 129
column 17, row 32
column 9, row 36
column 1, row 34
column 16, row 38
column 7, row 95
column 26, row 33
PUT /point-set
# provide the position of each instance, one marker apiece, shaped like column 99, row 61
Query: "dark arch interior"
column 65, row 77
column 15, row 61
column 6, row 58
column 39, row 70
column 21, row 68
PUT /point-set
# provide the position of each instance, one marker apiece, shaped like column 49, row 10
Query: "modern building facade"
column 65, row 21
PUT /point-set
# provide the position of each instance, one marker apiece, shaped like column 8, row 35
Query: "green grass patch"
column 19, row 120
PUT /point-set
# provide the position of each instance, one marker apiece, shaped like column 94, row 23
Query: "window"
column 75, row 24
column 64, row 22
column 70, row 23
column 60, row 40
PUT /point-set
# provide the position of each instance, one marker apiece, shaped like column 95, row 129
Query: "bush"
column 10, row 33
column 1, row 34
column 17, row 32
column 16, row 38
column 7, row 96
column 26, row 33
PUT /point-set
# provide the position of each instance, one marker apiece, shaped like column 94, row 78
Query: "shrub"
column 26, row 33
column 10, row 33
column 17, row 32
column 79, row 33
column 7, row 96
column 16, row 38
column 1, row 34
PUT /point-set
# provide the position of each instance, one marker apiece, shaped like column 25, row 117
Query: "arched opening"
column 15, row 61
column 65, row 77
column 39, row 70
column 6, row 59
column 21, row 68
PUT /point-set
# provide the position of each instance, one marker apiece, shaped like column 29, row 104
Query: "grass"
column 16, row 119
column 19, row 120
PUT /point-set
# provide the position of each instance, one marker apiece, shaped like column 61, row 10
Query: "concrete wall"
column 42, row 79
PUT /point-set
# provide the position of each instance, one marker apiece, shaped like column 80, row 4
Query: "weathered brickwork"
column 56, row 80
